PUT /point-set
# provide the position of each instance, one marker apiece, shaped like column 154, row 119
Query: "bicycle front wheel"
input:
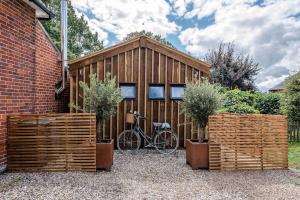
column 166, row 142
column 129, row 140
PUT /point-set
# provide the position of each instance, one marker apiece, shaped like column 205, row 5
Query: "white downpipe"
column 64, row 43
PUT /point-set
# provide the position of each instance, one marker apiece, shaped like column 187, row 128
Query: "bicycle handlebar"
column 138, row 114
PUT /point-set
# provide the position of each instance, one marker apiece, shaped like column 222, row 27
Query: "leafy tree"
column 237, row 101
column 241, row 108
column 230, row 69
column 101, row 97
column 200, row 100
column 291, row 100
column 268, row 103
column 149, row 34
column 80, row 39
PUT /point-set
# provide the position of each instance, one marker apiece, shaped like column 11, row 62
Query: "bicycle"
column 163, row 137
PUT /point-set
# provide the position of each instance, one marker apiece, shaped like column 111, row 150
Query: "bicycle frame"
column 163, row 137
column 140, row 131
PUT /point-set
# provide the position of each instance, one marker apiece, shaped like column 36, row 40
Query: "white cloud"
column 269, row 33
column 94, row 27
column 180, row 6
column 203, row 8
column 123, row 17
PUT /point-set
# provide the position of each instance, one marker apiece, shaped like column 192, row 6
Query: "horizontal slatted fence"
column 52, row 142
column 245, row 142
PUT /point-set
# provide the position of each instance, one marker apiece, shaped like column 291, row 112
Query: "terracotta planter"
column 104, row 154
column 197, row 154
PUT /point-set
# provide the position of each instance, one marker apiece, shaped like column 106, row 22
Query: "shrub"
column 237, row 96
column 237, row 101
column 241, row 108
column 291, row 100
column 101, row 97
column 268, row 103
column 200, row 100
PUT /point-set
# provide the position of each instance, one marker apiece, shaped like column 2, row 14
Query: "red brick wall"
column 29, row 66
column 48, row 71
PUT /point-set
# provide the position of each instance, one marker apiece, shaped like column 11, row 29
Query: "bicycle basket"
column 130, row 118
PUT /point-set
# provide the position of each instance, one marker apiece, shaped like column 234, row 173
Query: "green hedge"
column 249, row 102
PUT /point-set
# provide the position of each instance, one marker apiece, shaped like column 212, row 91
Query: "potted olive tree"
column 102, row 97
column 200, row 100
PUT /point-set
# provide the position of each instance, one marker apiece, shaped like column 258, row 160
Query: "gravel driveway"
column 148, row 175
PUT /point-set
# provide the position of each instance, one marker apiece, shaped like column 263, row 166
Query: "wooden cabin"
column 152, row 77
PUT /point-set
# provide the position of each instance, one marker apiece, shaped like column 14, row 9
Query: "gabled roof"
column 281, row 86
column 278, row 87
column 143, row 41
column 41, row 11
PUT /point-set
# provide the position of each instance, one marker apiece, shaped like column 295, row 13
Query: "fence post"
column 294, row 131
column 66, row 143
column 261, row 144
column 298, row 132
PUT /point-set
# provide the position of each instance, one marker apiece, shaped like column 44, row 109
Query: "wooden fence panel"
column 52, row 142
column 247, row 142
column 275, row 142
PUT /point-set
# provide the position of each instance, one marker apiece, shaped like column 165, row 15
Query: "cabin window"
column 177, row 91
column 128, row 91
column 156, row 91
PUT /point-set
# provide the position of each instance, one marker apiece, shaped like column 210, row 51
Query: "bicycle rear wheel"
column 166, row 142
column 129, row 140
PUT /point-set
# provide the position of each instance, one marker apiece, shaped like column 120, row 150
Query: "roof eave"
column 42, row 11
column 76, row 60
column 141, row 39
column 177, row 51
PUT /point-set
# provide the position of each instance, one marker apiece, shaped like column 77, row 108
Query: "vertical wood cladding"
column 142, row 66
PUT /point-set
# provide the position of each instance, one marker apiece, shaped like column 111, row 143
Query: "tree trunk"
column 206, row 136
column 201, row 133
column 99, row 131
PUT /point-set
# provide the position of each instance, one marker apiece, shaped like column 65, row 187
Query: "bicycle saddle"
column 161, row 125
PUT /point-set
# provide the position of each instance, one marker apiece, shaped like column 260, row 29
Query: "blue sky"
column 268, row 30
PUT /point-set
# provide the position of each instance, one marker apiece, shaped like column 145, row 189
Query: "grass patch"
column 294, row 155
